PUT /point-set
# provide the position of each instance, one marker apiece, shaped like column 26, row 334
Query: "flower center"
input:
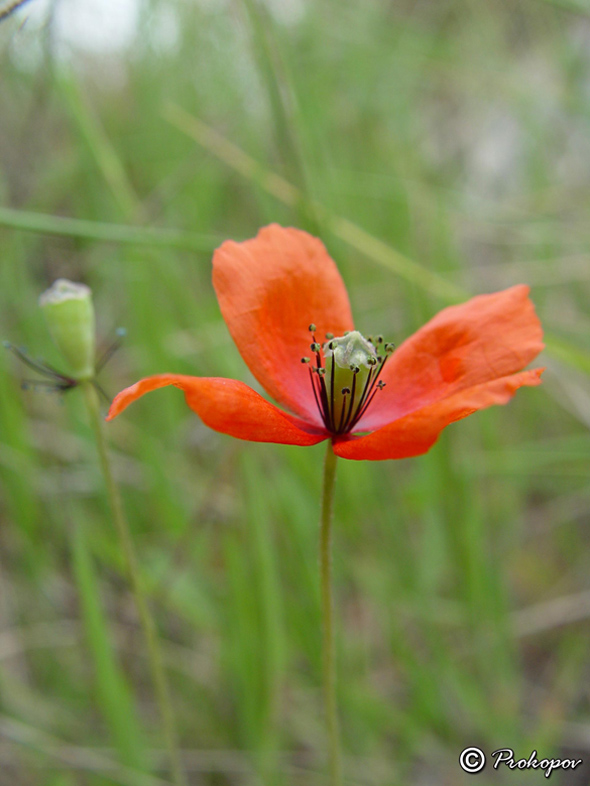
column 345, row 378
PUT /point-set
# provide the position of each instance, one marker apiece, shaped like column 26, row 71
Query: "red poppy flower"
column 372, row 403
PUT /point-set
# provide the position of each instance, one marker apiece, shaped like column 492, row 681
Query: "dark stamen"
column 365, row 392
column 363, row 406
column 315, row 395
column 345, row 391
column 332, row 393
column 325, row 403
column 344, row 428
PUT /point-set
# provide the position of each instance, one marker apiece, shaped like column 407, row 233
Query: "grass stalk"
column 99, row 231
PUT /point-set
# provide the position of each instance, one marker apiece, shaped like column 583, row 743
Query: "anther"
column 381, row 384
column 379, row 339
column 331, row 345
column 305, row 360
column 321, row 372
column 389, row 348
column 315, row 347
column 329, row 337
column 354, row 369
column 345, row 391
column 372, row 361
column 312, row 328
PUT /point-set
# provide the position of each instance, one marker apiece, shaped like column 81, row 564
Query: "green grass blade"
column 114, row 697
column 101, row 148
column 44, row 224
column 290, row 195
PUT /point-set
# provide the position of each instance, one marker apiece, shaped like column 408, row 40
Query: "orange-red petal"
column 488, row 337
column 228, row 406
column 270, row 289
column 416, row 432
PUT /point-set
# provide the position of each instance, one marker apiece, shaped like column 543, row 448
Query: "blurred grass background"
column 440, row 149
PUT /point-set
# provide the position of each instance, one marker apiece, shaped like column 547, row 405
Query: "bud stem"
column 159, row 678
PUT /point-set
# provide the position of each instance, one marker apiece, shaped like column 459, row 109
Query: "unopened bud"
column 69, row 314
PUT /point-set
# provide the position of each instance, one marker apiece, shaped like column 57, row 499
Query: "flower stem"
column 159, row 678
column 329, row 658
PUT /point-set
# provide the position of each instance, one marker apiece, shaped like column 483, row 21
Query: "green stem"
column 159, row 678
column 329, row 653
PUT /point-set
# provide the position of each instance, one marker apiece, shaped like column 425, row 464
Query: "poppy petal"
column 270, row 289
column 488, row 337
column 416, row 432
column 228, row 406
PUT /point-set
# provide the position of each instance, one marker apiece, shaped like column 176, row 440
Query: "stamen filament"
column 365, row 392
column 340, row 425
column 326, row 403
column 350, row 406
column 317, row 401
column 370, row 395
column 332, row 393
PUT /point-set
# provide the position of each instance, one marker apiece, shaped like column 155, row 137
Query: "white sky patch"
column 93, row 26
column 96, row 26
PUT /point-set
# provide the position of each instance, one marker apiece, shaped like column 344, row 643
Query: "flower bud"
column 69, row 314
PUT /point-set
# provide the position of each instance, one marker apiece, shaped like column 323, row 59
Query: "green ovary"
column 349, row 359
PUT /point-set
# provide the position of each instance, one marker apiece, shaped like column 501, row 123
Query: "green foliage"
column 439, row 149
